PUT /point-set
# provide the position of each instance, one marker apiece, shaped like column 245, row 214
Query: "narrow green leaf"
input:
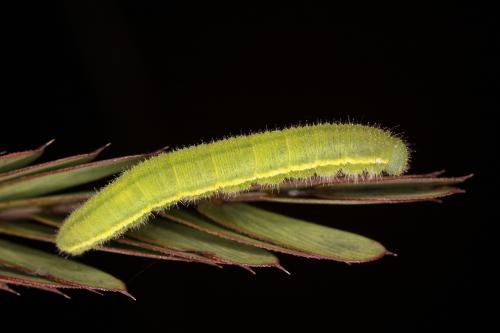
column 327, row 196
column 127, row 242
column 52, row 165
column 27, row 230
column 341, row 191
column 17, row 160
column 185, row 256
column 199, row 222
column 428, row 180
column 48, row 220
column 5, row 287
column 41, row 232
column 138, row 249
column 386, row 195
column 22, row 279
column 51, row 181
column 46, row 201
column 40, row 263
column 179, row 237
column 299, row 235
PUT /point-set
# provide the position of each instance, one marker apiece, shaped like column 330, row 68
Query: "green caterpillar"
column 230, row 165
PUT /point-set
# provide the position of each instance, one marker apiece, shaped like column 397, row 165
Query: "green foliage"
column 222, row 232
column 315, row 240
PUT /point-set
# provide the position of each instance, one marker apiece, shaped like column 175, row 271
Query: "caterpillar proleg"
column 230, row 165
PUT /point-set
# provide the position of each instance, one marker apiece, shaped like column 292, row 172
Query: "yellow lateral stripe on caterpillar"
column 230, row 164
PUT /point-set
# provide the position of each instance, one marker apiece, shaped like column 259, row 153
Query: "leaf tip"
column 129, row 295
column 161, row 150
column 45, row 145
column 283, row 269
column 6, row 288
column 99, row 150
column 389, row 253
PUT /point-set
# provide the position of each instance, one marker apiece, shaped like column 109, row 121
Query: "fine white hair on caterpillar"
column 229, row 166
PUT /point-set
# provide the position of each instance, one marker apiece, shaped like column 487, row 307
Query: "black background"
column 145, row 75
